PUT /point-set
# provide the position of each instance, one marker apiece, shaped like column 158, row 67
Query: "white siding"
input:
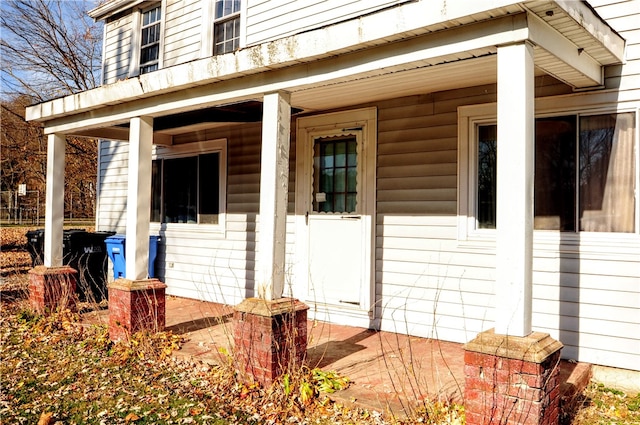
column 195, row 261
column 182, row 33
column 425, row 284
column 216, row 267
column 272, row 19
column 181, row 43
column 112, row 186
column 586, row 289
column 117, row 49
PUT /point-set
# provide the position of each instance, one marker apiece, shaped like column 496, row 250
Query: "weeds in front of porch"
column 56, row 367
column 605, row 405
column 62, row 370
column 425, row 387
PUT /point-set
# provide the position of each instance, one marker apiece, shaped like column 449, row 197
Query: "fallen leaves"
column 60, row 370
column 45, row 418
column 608, row 405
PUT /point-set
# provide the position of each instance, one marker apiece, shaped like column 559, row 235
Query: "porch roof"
column 426, row 49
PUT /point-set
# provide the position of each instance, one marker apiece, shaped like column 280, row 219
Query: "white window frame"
column 193, row 149
column 136, row 37
column 469, row 235
column 208, row 23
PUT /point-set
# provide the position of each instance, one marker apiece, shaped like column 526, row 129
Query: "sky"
column 69, row 14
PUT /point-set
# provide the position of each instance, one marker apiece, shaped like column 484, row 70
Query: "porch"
column 389, row 372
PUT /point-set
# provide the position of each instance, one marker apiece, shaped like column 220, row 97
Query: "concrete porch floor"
column 389, row 372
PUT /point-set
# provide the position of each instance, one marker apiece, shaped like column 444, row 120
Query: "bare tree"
column 48, row 49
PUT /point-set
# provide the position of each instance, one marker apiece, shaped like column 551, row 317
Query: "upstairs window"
column 150, row 40
column 585, row 173
column 226, row 26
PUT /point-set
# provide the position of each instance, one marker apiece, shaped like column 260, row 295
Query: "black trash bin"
column 35, row 246
column 86, row 252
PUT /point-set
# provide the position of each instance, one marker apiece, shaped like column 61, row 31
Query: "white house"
column 344, row 152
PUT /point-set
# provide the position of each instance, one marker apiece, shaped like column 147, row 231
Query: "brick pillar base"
column 52, row 288
column 270, row 337
column 135, row 305
column 512, row 380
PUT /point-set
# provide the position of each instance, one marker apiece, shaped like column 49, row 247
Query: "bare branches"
column 50, row 48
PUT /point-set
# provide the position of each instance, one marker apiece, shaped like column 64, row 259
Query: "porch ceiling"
column 571, row 43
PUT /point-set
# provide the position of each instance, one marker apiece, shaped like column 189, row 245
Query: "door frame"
column 307, row 128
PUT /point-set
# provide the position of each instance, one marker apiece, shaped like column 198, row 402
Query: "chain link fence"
column 18, row 207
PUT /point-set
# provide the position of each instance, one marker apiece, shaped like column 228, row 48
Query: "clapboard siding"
column 221, row 268
column 117, row 49
column 182, row 38
column 112, row 186
column 419, row 273
column 431, row 285
column 273, row 19
column 623, row 16
column 197, row 262
column 183, row 31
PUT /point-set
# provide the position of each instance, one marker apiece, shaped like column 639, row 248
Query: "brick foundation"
column 270, row 337
column 512, row 380
column 52, row 288
column 135, row 306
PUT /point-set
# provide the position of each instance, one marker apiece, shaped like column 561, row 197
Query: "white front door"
column 335, row 208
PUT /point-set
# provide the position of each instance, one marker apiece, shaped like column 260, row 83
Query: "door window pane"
column 335, row 175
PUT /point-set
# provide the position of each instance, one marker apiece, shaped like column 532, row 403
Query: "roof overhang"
column 113, row 7
column 426, row 44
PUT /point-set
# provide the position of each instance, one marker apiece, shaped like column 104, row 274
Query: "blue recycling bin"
column 116, row 250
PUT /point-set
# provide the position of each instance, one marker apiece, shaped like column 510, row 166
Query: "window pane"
column 209, row 188
column 149, row 54
column 148, row 68
column 487, row 154
column 180, row 190
column 150, row 40
column 555, row 173
column 151, row 16
column 226, row 36
column 335, row 177
column 341, row 154
column 226, row 7
column 607, row 170
column 151, row 34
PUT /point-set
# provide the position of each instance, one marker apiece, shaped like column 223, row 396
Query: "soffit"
column 580, row 24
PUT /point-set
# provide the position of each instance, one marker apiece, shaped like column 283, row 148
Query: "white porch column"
column 54, row 213
column 274, row 187
column 138, row 198
column 515, row 168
